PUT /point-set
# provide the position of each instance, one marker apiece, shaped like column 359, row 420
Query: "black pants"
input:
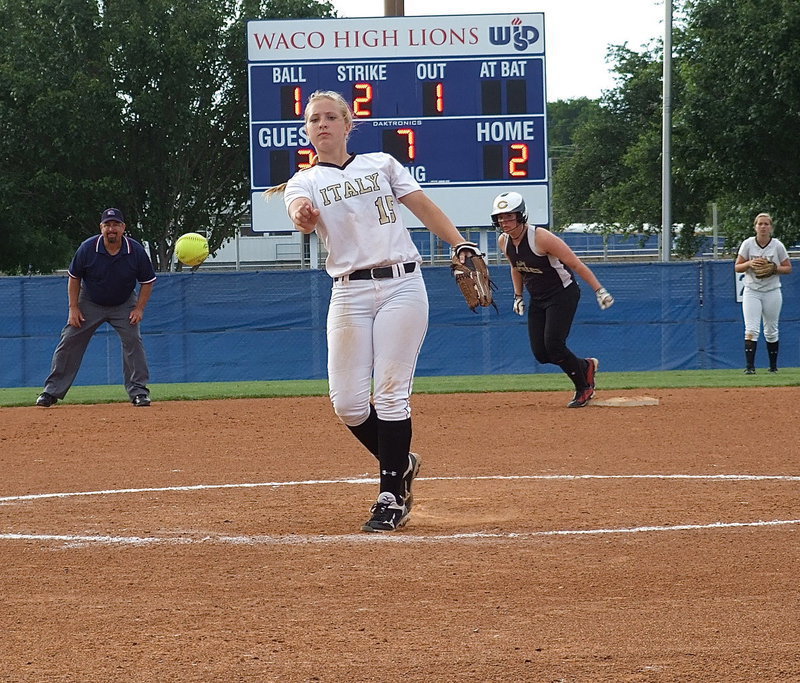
column 549, row 324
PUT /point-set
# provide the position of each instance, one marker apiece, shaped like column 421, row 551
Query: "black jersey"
column 543, row 274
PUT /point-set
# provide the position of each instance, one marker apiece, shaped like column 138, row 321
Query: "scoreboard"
column 458, row 100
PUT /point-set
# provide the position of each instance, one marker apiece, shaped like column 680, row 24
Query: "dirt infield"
column 219, row 541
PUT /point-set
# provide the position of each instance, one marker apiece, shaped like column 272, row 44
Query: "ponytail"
column 276, row 189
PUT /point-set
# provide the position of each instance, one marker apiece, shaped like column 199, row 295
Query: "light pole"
column 666, row 138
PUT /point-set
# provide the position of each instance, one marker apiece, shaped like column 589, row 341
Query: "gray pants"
column 68, row 355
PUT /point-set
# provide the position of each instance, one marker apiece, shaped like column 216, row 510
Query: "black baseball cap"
column 112, row 215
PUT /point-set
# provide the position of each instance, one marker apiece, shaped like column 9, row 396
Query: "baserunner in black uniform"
column 546, row 266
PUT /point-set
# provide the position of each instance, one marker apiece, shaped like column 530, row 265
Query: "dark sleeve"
column 78, row 263
column 145, row 271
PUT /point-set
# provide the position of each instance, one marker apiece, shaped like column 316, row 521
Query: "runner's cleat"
column 582, row 397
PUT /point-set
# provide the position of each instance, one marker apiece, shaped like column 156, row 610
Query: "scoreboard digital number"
column 458, row 100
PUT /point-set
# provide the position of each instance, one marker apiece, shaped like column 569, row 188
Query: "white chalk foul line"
column 372, row 480
column 83, row 539
column 291, row 539
column 399, row 537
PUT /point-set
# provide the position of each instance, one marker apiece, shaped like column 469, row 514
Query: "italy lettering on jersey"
column 773, row 251
column 360, row 222
column 339, row 191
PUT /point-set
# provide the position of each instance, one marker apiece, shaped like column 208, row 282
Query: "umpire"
column 102, row 289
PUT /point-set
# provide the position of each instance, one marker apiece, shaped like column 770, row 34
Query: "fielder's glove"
column 763, row 267
column 519, row 304
column 604, row 299
column 472, row 275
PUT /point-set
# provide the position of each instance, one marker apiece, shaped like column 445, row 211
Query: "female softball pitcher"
column 544, row 264
column 378, row 313
column 762, row 259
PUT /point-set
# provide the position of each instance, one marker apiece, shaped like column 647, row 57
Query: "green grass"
column 25, row 396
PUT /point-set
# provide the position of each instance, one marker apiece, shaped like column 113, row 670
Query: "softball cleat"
column 387, row 514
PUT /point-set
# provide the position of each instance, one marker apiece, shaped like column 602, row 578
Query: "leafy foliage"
column 613, row 178
column 56, row 138
column 143, row 105
column 742, row 67
column 140, row 105
column 735, row 113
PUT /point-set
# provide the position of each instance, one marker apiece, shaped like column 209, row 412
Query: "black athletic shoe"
column 750, row 371
column 773, row 369
column 582, row 397
column 414, row 463
column 387, row 515
column 141, row 401
column 46, row 400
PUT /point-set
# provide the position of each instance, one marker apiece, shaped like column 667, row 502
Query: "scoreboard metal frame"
column 459, row 100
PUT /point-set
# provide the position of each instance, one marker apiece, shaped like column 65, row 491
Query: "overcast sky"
column 577, row 33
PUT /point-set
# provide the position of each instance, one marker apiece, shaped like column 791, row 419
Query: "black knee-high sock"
column 367, row 432
column 394, row 439
column 750, row 352
column 772, row 350
column 575, row 369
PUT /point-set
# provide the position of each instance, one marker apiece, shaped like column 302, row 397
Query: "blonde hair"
column 763, row 215
column 344, row 109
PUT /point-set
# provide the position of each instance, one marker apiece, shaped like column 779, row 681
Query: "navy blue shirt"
column 106, row 279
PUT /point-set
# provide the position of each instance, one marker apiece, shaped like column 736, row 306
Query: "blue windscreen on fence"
column 270, row 325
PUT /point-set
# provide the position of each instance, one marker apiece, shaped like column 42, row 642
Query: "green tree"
column 141, row 105
column 564, row 118
column 180, row 70
column 56, row 137
column 735, row 113
column 742, row 110
column 614, row 177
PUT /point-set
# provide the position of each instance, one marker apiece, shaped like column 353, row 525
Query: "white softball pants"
column 758, row 306
column 375, row 331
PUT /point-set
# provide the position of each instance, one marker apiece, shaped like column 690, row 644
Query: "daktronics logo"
column 522, row 37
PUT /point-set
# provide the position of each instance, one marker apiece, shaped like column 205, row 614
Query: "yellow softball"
column 191, row 249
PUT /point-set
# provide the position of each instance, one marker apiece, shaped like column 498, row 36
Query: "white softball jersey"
column 359, row 223
column 774, row 251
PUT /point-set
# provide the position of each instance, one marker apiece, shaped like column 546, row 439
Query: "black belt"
column 378, row 273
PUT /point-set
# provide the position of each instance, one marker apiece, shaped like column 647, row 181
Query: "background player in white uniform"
column 378, row 314
column 762, row 298
column 545, row 265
